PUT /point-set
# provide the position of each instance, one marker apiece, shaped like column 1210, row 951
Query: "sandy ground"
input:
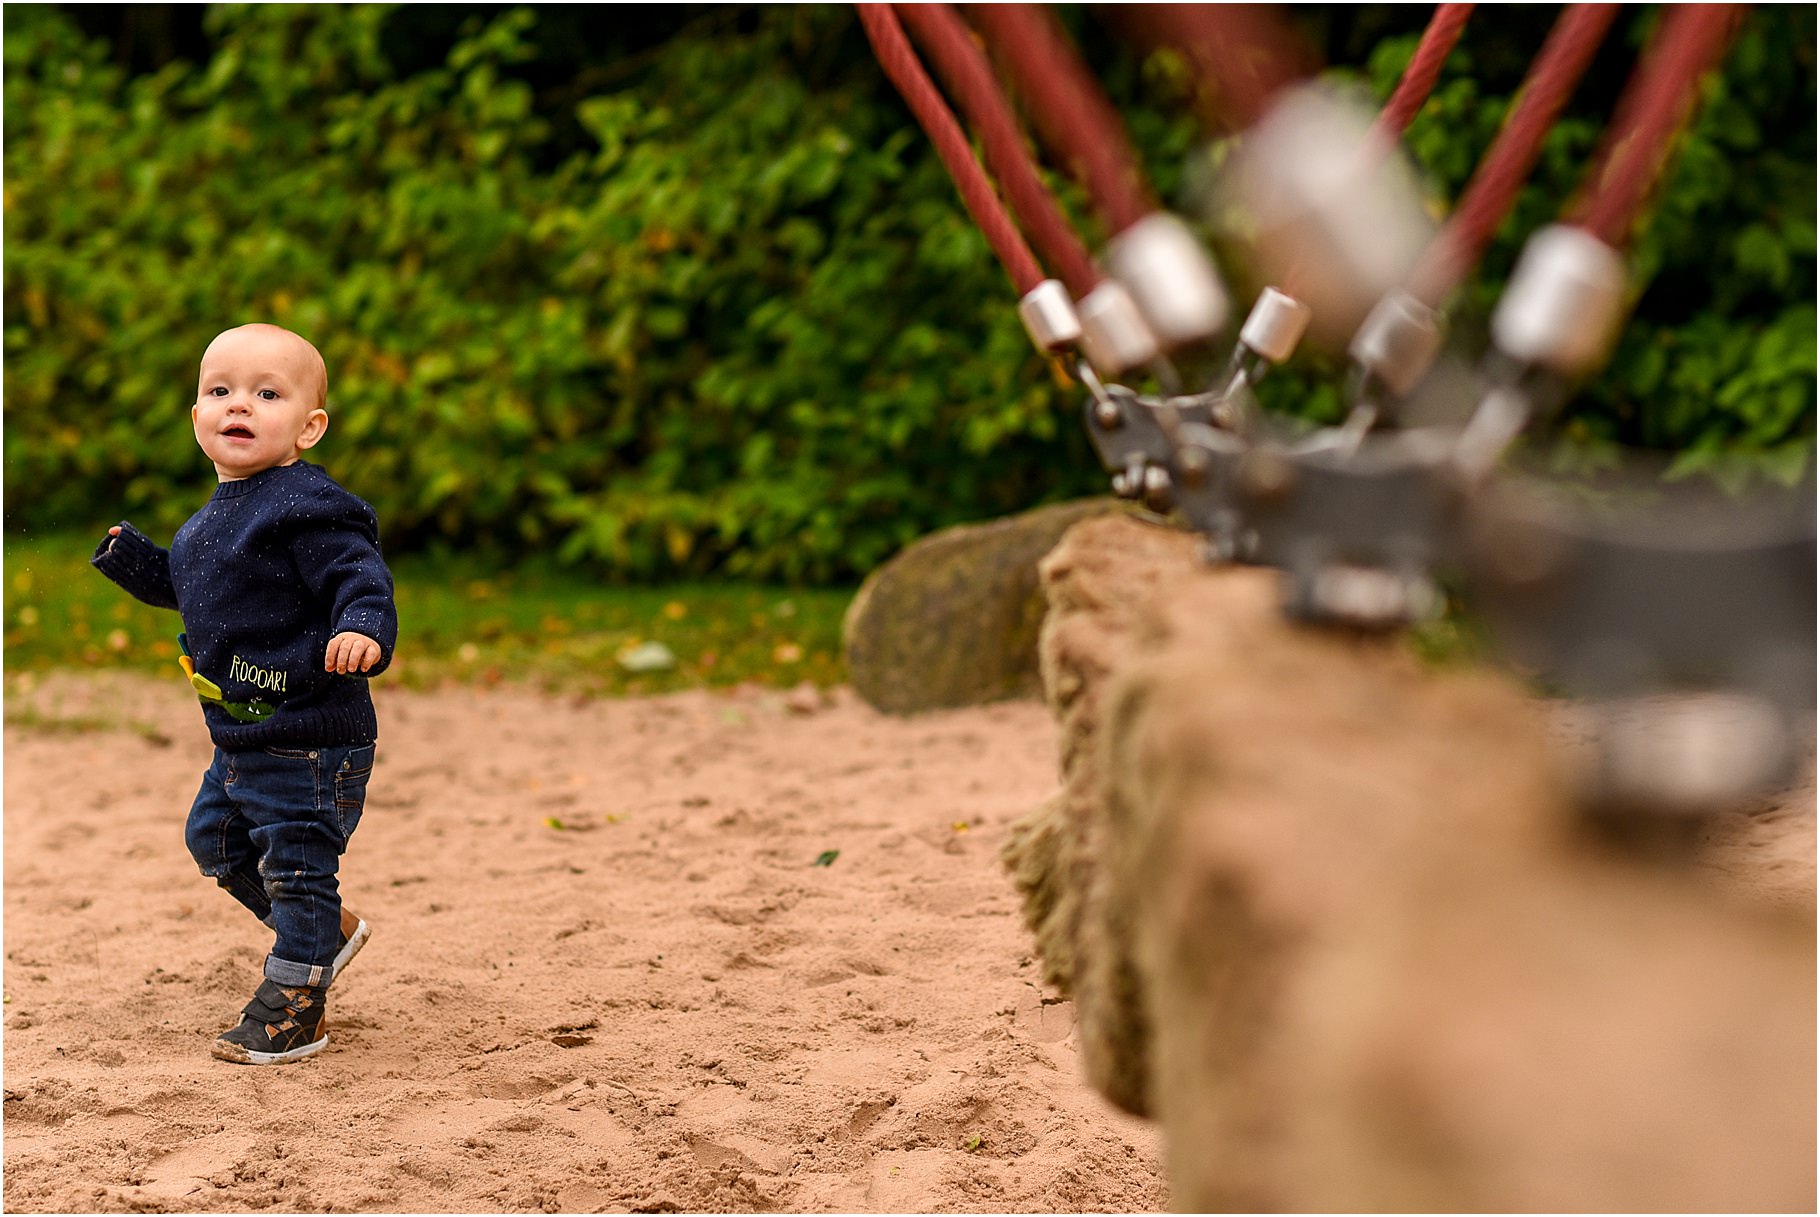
column 661, row 1005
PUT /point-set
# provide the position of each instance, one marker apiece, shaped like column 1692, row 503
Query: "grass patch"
column 552, row 628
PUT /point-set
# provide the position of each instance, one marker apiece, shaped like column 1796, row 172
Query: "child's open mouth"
column 238, row 432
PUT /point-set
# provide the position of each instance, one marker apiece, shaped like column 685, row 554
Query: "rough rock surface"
column 1331, row 919
column 1096, row 582
column 952, row 620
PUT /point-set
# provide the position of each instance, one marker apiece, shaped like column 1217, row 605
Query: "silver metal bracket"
column 1684, row 619
column 1358, row 532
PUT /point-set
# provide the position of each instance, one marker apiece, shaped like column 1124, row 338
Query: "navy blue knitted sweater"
column 269, row 570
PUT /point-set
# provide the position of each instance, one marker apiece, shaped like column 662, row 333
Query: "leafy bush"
column 714, row 306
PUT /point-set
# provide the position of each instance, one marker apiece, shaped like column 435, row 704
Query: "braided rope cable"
column 1657, row 101
column 1498, row 179
column 899, row 60
column 1445, row 25
column 1438, row 41
column 946, row 40
column 1071, row 114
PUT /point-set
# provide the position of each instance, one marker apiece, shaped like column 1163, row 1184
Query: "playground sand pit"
column 606, row 973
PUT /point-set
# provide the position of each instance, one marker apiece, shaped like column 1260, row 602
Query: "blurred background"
column 665, row 323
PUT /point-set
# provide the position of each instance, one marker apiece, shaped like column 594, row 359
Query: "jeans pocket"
column 351, row 788
column 292, row 774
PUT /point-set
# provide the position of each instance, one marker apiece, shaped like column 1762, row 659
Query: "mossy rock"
column 952, row 620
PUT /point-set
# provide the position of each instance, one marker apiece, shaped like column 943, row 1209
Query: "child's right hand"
column 114, row 531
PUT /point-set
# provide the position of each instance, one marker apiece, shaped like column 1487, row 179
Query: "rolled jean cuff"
column 286, row 972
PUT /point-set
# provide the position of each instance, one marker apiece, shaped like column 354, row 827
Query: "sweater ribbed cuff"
column 133, row 561
column 131, row 553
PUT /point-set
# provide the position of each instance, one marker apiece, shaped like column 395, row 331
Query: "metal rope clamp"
column 1204, row 470
column 1357, row 531
column 1358, row 521
column 1136, row 437
column 1688, row 625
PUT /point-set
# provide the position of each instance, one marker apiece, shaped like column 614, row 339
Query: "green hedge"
column 725, row 315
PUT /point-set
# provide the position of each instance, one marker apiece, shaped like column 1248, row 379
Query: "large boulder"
column 952, row 620
column 1331, row 918
column 1098, row 581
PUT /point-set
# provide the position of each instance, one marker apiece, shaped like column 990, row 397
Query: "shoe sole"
column 250, row 1056
column 349, row 949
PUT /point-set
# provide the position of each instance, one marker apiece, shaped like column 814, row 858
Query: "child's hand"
column 350, row 652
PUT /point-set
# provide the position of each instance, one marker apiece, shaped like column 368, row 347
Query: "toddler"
column 287, row 606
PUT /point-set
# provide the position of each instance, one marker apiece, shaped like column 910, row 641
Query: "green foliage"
column 1717, row 363
column 712, row 306
column 748, row 330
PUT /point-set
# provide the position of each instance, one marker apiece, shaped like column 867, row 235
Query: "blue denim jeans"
column 270, row 825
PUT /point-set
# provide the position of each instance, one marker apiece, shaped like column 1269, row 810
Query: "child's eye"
column 269, row 394
column 218, row 391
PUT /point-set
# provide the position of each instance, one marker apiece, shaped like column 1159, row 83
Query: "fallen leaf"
column 553, row 822
column 648, row 657
column 826, row 857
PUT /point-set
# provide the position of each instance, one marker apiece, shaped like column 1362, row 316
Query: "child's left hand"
column 350, row 652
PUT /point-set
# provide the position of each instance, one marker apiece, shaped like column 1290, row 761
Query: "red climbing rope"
column 945, row 38
column 900, row 63
column 1500, row 176
column 1444, row 29
column 1071, row 114
column 1658, row 99
column 1445, row 26
column 1079, row 124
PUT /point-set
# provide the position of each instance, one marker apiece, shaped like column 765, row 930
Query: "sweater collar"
column 240, row 486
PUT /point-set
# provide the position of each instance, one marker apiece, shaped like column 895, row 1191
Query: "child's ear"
column 314, row 427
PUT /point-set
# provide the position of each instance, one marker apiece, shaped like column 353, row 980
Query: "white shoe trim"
column 349, row 949
column 251, row 1056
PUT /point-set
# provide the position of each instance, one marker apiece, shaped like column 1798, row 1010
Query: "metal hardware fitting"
column 1275, row 325
column 1398, row 342
column 1049, row 317
column 1114, row 334
column 1333, row 204
column 1172, row 279
column 1563, row 304
column 1357, row 532
column 1683, row 619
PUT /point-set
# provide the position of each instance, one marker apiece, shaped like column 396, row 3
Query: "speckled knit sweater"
column 269, row 570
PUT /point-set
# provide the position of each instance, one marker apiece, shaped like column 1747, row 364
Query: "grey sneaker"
column 278, row 1026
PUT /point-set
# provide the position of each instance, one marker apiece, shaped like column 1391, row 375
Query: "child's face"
column 259, row 400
